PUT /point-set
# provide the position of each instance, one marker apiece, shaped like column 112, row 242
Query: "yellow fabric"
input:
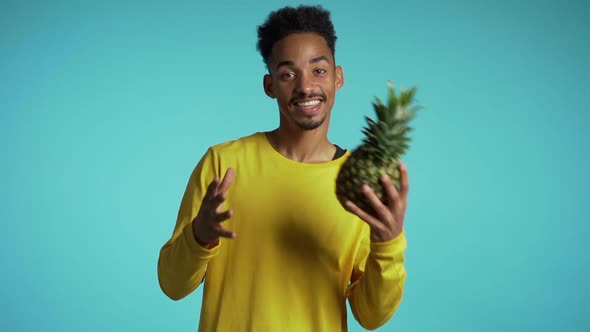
column 298, row 254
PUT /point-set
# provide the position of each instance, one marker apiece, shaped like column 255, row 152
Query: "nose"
column 304, row 83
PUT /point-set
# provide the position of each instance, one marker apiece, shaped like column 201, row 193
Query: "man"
column 260, row 223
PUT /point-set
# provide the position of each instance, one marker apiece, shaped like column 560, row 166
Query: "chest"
column 294, row 215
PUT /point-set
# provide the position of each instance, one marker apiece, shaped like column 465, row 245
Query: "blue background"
column 106, row 106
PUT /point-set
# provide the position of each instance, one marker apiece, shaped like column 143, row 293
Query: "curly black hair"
column 288, row 20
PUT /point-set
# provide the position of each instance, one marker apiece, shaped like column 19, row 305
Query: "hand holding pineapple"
column 373, row 183
column 388, row 219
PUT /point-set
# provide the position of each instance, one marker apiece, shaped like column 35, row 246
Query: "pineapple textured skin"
column 360, row 169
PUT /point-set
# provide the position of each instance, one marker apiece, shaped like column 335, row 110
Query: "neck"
column 305, row 146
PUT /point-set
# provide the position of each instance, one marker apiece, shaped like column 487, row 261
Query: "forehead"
column 300, row 47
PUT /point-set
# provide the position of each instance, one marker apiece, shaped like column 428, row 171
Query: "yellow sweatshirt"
column 298, row 254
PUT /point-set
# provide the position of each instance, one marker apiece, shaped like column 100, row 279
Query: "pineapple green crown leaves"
column 386, row 141
column 387, row 138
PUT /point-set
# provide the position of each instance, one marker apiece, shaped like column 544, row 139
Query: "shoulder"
column 238, row 146
column 218, row 157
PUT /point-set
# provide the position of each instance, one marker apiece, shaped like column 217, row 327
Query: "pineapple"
column 384, row 144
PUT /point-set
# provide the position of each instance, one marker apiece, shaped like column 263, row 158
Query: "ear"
column 339, row 77
column 268, row 87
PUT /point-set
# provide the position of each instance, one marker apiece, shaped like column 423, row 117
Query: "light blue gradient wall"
column 106, row 106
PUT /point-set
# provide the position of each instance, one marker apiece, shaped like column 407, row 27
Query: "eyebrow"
column 291, row 63
column 319, row 58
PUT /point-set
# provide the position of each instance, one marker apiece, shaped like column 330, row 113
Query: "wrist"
column 207, row 245
column 384, row 237
column 395, row 246
column 202, row 243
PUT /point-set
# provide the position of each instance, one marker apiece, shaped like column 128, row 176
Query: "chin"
column 312, row 124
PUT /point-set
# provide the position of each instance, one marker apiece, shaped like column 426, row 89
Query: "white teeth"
column 308, row 103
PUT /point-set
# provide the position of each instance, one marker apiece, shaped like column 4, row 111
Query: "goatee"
column 311, row 125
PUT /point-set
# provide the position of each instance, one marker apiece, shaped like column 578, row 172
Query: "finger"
column 211, row 188
column 390, row 190
column 215, row 202
column 223, row 216
column 222, row 232
column 404, row 179
column 375, row 202
column 228, row 178
column 372, row 221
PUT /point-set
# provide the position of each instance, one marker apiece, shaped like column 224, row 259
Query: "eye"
column 287, row 75
column 320, row 71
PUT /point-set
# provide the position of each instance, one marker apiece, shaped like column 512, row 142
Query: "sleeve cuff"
column 198, row 250
column 393, row 247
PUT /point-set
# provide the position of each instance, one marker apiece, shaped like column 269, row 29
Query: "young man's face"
column 304, row 79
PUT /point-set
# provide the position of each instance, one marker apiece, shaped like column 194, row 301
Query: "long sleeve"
column 183, row 262
column 378, row 281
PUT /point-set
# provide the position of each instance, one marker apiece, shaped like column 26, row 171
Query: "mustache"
column 307, row 96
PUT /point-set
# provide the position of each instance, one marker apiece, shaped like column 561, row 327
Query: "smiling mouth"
column 307, row 103
column 308, row 107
